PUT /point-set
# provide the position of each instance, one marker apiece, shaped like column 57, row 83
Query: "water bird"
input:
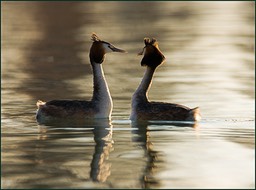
column 100, row 106
column 142, row 108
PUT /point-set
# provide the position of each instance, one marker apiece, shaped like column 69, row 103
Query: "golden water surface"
column 209, row 49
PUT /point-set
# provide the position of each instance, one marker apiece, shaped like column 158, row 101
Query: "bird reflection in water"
column 143, row 137
column 100, row 168
column 100, row 130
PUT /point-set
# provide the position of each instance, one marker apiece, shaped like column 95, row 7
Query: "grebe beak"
column 115, row 49
column 142, row 52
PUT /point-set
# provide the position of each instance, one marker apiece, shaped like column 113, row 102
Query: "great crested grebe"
column 100, row 105
column 142, row 108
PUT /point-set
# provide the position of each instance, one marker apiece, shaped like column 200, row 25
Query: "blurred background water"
column 209, row 49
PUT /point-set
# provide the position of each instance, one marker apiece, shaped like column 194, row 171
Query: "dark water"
column 209, row 49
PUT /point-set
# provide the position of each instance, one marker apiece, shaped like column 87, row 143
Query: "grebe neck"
column 101, row 92
column 142, row 90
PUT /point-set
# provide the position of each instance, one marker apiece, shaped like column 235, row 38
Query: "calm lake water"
column 209, row 49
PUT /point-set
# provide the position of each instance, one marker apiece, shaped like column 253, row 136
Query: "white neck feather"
column 142, row 90
column 141, row 94
column 101, row 94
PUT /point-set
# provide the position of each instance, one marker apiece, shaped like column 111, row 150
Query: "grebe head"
column 99, row 48
column 153, row 57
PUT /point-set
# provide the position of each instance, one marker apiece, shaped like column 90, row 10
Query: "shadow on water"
column 77, row 153
column 142, row 133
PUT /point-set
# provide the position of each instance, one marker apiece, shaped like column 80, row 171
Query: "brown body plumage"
column 100, row 105
column 142, row 108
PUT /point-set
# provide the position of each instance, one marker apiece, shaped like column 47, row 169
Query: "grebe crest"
column 142, row 108
column 153, row 57
column 100, row 105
